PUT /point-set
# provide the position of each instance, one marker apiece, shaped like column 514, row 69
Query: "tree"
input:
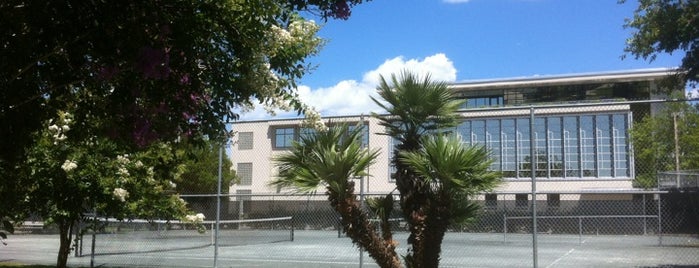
column 666, row 26
column 333, row 158
column 435, row 174
column 70, row 174
column 150, row 70
column 199, row 175
column 416, row 108
column 654, row 142
column 450, row 173
column 200, row 170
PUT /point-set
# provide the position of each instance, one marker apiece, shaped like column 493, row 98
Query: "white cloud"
column 692, row 93
column 351, row 97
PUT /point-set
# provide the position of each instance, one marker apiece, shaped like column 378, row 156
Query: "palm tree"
column 418, row 108
column 332, row 158
column 449, row 172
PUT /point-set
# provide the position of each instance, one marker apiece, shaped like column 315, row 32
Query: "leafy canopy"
column 666, row 26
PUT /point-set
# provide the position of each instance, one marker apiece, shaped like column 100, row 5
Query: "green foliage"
column 382, row 206
column 332, row 158
column 416, row 107
column 434, row 176
column 134, row 76
column 71, row 173
column 199, row 173
column 666, row 26
column 654, row 142
column 329, row 158
column 137, row 73
column 449, row 168
column 446, row 164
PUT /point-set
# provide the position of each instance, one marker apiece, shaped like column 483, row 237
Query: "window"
column 521, row 200
column 245, row 173
column 364, row 136
column 620, row 145
column 509, row 156
column 491, row 200
column 604, row 146
column 245, row 141
column 553, row 200
column 571, row 146
column 587, row 146
column 524, row 161
column 485, row 101
column 284, row 137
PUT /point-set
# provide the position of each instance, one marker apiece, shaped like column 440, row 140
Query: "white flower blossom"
column 139, row 164
column 120, row 194
column 280, row 34
column 198, row 218
column 60, row 137
column 69, row 165
column 313, row 119
column 53, row 128
column 122, row 171
column 65, row 128
column 172, row 184
column 123, row 159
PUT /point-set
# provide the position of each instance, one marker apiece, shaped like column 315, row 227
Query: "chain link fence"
column 601, row 184
column 613, row 221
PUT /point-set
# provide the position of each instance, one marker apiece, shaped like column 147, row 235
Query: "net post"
column 660, row 226
column 292, row 229
column 504, row 227
column 580, row 229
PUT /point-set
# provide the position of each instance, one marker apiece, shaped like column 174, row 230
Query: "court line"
column 560, row 258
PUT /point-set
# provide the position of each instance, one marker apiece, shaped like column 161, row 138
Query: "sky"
column 463, row 40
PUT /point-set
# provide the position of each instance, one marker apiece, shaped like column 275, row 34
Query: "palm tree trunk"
column 436, row 225
column 357, row 226
column 414, row 204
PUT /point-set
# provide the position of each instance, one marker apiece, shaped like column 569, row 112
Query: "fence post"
column 533, row 160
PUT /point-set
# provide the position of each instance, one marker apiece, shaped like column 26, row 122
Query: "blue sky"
column 461, row 40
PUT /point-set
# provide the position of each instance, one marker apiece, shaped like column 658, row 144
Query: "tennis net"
column 142, row 236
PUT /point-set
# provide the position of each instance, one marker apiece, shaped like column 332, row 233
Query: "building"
column 580, row 131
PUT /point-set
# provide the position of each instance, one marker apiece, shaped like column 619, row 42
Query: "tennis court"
column 317, row 248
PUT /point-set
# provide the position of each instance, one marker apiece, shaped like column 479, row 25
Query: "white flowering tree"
column 135, row 75
column 71, row 176
column 149, row 71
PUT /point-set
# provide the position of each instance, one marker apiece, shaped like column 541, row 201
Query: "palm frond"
column 328, row 158
column 416, row 107
column 451, row 165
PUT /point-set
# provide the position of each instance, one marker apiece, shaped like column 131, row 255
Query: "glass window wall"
column 567, row 146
